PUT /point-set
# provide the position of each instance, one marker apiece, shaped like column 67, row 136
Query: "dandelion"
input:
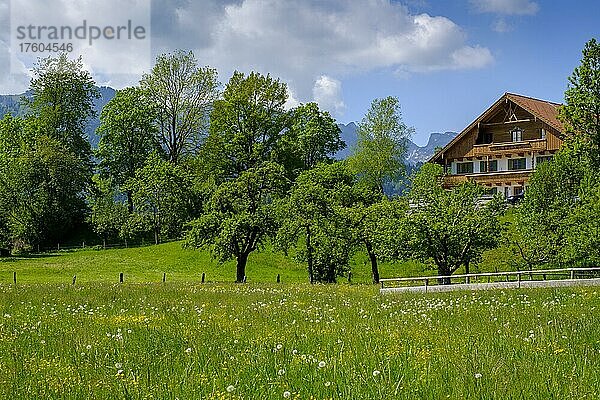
column 376, row 373
column 230, row 388
column 322, row 364
column 478, row 375
column 287, row 395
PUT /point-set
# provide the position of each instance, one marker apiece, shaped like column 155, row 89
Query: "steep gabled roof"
column 546, row 111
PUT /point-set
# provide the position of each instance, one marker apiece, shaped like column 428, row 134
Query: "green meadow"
column 148, row 263
column 267, row 341
column 182, row 339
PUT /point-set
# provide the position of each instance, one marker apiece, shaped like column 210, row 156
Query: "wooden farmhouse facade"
column 503, row 146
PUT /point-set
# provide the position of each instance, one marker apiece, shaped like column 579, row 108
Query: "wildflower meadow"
column 269, row 341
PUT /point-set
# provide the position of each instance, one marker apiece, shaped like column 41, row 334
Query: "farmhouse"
column 502, row 147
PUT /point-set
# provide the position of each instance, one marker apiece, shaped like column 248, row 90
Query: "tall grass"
column 266, row 341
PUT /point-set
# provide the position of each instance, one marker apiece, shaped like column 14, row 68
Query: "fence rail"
column 486, row 280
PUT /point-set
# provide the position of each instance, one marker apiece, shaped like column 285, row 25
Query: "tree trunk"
column 309, row 257
column 129, row 201
column 156, row 238
column 443, row 271
column 373, row 258
column 242, row 259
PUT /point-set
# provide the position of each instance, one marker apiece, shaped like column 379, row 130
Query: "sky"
column 446, row 61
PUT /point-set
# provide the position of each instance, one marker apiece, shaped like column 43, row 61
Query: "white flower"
column 120, row 372
column 118, row 365
column 281, row 372
column 376, row 373
column 327, row 384
column 89, row 347
column 294, row 352
column 279, row 346
column 287, row 395
column 321, row 364
column 478, row 375
column 230, row 388
column 188, row 350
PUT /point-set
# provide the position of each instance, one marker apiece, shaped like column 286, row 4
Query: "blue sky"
column 445, row 60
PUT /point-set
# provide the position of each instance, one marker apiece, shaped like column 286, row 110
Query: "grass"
column 147, row 264
column 266, row 341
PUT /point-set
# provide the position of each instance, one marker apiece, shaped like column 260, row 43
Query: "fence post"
column 121, row 277
column 572, row 274
column 350, row 277
column 74, row 279
column 15, row 277
column 278, row 278
column 164, row 277
column 203, row 276
column 426, row 284
column 244, row 281
column 519, row 278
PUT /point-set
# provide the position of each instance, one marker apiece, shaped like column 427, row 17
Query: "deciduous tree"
column 127, row 136
column 240, row 216
column 183, row 95
column 450, row 227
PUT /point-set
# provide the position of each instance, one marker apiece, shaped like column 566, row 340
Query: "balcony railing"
column 509, row 147
column 488, row 177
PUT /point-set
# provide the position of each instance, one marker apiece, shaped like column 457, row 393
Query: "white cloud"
column 507, row 7
column 327, row 92
column 301, row 41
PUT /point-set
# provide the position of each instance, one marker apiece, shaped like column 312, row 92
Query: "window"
column 516, row 164
column 543, row 133
column 542, row 159
column 483, row 166
column 484, row 138
column 517, row 135
column 464, row 168
column 488, row 166
column 517, row 190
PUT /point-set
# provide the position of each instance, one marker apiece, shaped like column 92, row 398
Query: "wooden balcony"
column 498, row 149
column 491, row 178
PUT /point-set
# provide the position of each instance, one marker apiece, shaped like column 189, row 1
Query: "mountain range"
column 415, row 155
